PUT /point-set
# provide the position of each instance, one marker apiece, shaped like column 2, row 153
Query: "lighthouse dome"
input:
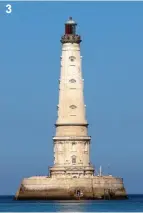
column 71, row 21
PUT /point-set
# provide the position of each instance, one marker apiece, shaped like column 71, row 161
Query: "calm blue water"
column 133, row 204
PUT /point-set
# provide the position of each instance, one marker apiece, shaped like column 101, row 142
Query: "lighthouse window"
column 72, row 80
column 68, row 29
column 72, row 58
column 72, row 106
column 73, row 159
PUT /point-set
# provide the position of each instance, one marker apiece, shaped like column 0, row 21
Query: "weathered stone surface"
column 104, row 187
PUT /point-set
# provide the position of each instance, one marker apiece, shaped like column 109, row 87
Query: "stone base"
column 97, row 187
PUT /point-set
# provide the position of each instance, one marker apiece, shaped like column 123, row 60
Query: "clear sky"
column 112, row 51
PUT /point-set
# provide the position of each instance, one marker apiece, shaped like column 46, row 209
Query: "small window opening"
column 73, row 159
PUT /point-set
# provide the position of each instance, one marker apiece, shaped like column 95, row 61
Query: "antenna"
column 108, row 169
column 100, row 171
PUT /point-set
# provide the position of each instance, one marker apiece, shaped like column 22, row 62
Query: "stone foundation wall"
column 90, row 188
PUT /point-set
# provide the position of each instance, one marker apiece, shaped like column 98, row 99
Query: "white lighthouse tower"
column 71, row 142
column 72, row 175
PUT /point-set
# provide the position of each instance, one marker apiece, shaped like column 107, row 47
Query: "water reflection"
column 72, row 206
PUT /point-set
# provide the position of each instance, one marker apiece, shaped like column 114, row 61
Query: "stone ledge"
column 71, row 124
column 70, row 138
column 73, row 168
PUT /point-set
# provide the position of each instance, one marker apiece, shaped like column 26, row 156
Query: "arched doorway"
column 78, row 193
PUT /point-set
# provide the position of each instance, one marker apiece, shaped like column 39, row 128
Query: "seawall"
column 97, row 187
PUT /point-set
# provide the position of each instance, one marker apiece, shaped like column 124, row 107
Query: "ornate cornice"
column 70, row 39
column 72, row 168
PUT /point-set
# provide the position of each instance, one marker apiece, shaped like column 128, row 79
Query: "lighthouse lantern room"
column 70, row 27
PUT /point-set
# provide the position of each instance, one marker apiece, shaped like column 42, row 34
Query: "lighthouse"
column 71, row 141
column 72, row 174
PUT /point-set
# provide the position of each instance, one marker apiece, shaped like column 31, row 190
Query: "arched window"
column 73, row 107
column 72, row 58
column 73, row 159
column 72, row 80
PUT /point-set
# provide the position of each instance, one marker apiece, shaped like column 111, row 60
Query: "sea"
column 133, row 204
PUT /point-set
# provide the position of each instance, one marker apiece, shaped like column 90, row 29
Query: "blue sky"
column 112, row 51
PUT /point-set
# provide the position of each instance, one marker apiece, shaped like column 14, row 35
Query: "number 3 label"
column 9, row 8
